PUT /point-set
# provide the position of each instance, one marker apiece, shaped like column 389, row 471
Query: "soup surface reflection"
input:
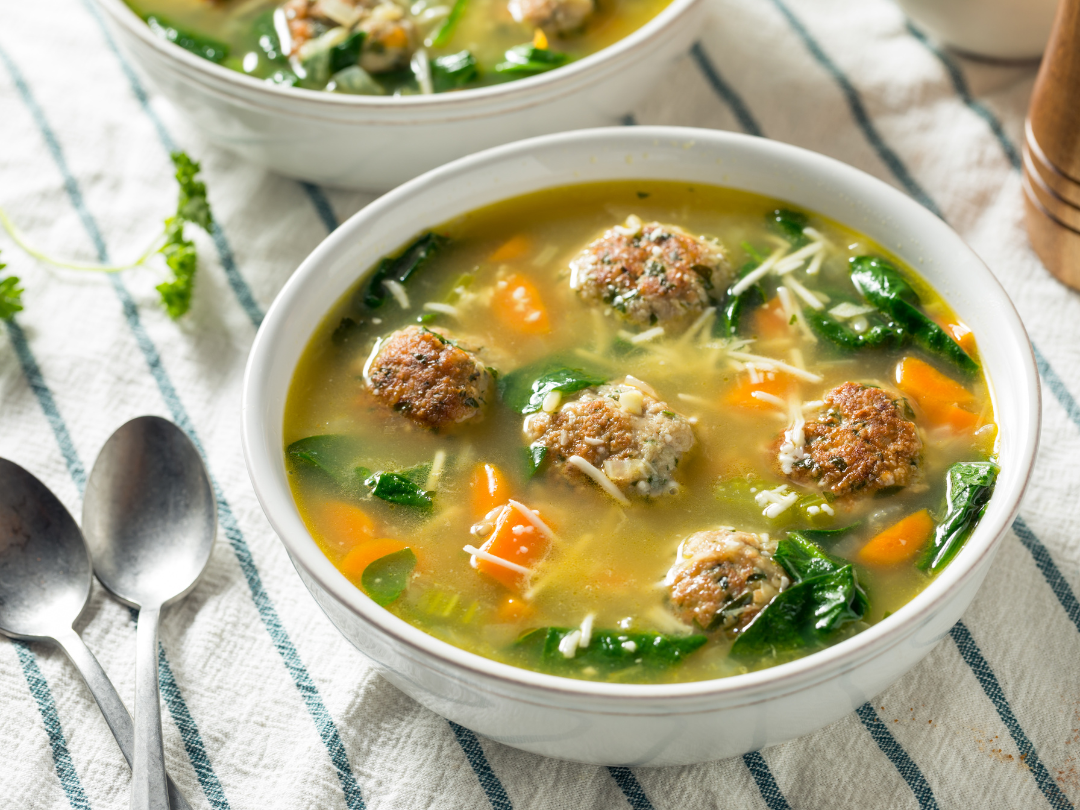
column 641, row 432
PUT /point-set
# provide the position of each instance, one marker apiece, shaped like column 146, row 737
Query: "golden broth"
column 608, row 560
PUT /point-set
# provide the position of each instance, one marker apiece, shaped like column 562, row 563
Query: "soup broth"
column 392, row 47
column 596, row 558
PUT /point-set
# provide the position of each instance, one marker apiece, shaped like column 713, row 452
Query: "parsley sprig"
column 179, row 252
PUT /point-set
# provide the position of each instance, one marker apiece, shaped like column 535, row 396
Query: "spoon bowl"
column 149, row 515
column 45, row 570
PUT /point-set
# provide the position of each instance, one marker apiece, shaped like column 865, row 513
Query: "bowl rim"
column 790, row 676
column 244, row 84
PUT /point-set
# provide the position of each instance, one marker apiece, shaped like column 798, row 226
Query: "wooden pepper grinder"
column 1052, row 151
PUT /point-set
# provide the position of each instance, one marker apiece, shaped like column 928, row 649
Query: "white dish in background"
column 1010, row 30
column 644, row 724
column 375, row 142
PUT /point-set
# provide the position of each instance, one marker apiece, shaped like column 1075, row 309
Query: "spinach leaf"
column 442, row 36
column 826, row 535
column 400, row 268
column 333, row 456
column 969, row 485
column 528, row 60
column 524, row 390
column 882, row 285
column 194, row 43
column 534, row 457
column 385, row 579
column 806, row 615
column 606, row 651
column 802, row 558
column 789, row 224
column 453, row 71
column 345, row 331
column 397, row 488
column 10, row 296
column 347, row 52
column 840, row 335
column 266, row 36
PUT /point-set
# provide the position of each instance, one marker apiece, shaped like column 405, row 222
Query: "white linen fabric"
column 265, row 704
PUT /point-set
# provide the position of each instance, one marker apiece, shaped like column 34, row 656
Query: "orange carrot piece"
column 770, row 321
column 354, row 563
column 962, row 335
column 515, row 540
column 900, row 542
column 514, row 609
column 513, row 248
column 540, row 40
column 776, row 383
column 519, row 306
column 942, row 399
column 488, row 489
column 342, row 525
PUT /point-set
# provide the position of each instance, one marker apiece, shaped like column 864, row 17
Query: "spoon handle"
column 116, row 714
column 148, row 787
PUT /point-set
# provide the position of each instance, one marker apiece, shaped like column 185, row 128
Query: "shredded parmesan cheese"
column 642, row 386
column 491, row 558
column 772, row 399
column 647, row 335
column 551, row 401
column 396, row 289
column 534, row 519
column 803, row 293
column 598, row 476
column 752, row 278
column 445, row 309
column 773, row 365
column 586, row 630
column 776, row 501
column 569, row 644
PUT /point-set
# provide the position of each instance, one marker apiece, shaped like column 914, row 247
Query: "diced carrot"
column 900, row 542
column 519, row 306
column 775, row 383
column 514, row 609
column 513, row 248
column 515, row 540
column 342, row 525
column 354, row 563
column 770, row 320
column 396, row 38
column 959, row 332
column 942, row 399
column 540, row 40
column 488, row 489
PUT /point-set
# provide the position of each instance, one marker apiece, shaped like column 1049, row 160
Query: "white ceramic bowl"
column 376, row 143
column 644, row 724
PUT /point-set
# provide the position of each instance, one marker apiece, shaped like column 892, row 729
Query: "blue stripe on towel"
column 322, row 205
column 766, row 784
column 631, row 788
column 725, row 91
column 970, row 652
column 962, row 90
column 308, row 690
column 1049, row 570
column 858, row 112
column 904, row 764
column 225, row 255
column 39, row 688
column 474, row 752
column 34, row 378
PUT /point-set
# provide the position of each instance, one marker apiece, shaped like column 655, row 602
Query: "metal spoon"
column 149, row 518
column 45, row 585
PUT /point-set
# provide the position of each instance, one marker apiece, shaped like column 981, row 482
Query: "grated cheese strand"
column 491, row 558
column 396, row 289
column 599, row 477
column 534, row 519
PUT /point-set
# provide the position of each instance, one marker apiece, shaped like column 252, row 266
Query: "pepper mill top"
column 1052, row 151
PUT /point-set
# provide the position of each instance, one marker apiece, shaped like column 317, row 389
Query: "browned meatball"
column 390, row 37
column 649, row 273
column 722, row 579
column 555, row 16
column 634, row 438
column 427, row 376
column 860, row 444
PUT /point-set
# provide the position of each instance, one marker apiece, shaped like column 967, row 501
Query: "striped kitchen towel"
column 266, row 705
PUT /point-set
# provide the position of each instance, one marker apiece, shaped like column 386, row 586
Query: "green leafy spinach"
column 968, row 487
column 401, row 268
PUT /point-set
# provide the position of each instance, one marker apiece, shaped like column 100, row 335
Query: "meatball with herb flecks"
column 722, row 578
column 650, row 273
column 429, row 377
column 629, row 435
column 862, row 443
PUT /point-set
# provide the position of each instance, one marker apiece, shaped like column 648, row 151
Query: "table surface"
column 266, row 706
